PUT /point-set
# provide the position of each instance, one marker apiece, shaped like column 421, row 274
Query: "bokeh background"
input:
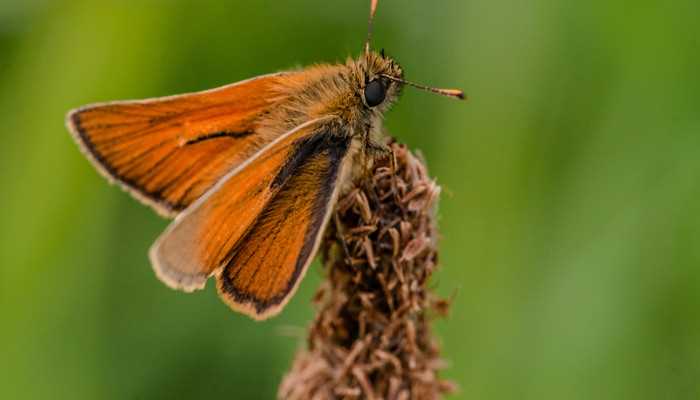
column 570, row 220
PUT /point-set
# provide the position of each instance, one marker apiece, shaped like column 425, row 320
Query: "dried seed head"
column 371, row 337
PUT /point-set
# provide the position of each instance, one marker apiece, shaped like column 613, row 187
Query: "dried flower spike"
column 371, row 337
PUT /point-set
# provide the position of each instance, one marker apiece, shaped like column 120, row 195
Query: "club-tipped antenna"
column 454, row 93
column 372, row 11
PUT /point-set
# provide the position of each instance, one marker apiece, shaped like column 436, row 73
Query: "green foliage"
column 570, row 221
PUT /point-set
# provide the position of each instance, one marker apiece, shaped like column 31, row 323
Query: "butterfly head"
column 379, row 80
column 358, row 92
column 383, row 77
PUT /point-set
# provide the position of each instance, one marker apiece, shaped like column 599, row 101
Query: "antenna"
column 454, row 93
column 372, row 11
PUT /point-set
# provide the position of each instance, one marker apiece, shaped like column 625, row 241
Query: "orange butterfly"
column 250, row 171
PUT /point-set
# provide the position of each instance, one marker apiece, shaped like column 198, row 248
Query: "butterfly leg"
column 377, row 150
column 340, row 236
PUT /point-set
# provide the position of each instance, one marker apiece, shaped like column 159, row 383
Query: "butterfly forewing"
column 169, row 151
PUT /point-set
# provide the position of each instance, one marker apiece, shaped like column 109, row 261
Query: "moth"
column 250, row 171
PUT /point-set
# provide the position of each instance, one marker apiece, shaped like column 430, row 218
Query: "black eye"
column 375, row 93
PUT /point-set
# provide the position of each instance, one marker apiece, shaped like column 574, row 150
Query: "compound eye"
column 375, row 93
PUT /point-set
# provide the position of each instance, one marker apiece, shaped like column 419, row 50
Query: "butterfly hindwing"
column 267, row 264
column 258, row 228
column 169, row 151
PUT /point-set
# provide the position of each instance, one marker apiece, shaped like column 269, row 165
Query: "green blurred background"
column 570, row 220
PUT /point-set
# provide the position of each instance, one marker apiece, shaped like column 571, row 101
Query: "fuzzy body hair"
column 337, row 90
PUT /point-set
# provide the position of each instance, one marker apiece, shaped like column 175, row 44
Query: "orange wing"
column 168, row 151
column 266, row 266
column 259, row 227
